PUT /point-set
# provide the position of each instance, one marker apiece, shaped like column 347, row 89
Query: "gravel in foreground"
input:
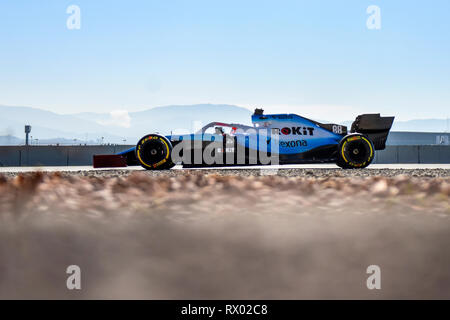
column 226, row 234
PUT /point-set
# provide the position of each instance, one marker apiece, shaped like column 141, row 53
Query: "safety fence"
column 16, row 156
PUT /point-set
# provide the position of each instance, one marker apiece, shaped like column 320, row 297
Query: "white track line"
column 297, row 166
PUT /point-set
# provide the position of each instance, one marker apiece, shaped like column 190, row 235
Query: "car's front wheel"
column 355, row 151
column 154, row 152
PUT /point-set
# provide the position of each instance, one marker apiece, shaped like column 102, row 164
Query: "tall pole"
column 27, row 132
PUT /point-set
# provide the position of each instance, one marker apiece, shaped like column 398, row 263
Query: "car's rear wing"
column 375, row 127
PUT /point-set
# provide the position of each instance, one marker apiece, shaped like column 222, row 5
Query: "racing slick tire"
column 154, row 152
column 355, row 151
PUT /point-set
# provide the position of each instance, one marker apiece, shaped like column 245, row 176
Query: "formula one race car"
column 273, row 139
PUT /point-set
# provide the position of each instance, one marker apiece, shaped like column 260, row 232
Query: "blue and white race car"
column 273, row 139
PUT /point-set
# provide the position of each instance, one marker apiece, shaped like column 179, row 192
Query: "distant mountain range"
column 116, row 127
column 123, row 127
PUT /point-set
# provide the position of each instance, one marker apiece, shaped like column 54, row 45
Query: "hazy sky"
column 317, row 58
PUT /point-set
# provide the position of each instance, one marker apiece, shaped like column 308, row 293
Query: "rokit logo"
column 305, row 131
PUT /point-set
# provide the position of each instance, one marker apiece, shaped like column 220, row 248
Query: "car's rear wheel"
column 355, row 151
column 154, row 152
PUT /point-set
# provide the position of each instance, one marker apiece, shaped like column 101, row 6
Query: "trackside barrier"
column 413, row 154
column 19, row 156
column 16, row 156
